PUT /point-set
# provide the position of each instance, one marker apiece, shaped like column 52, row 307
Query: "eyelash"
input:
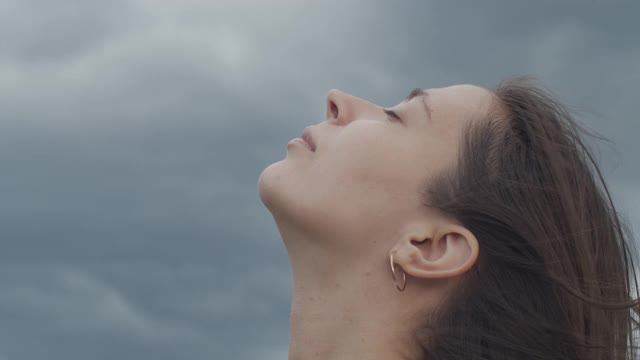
column 392, row 114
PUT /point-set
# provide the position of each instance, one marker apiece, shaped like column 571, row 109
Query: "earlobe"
column 447, row 253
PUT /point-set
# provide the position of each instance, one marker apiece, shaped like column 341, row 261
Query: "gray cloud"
column 132, row 135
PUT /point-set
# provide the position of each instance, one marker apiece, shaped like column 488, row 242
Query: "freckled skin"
column 361, row 181
column 341, row 209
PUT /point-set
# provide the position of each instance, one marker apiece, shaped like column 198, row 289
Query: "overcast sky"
column 132, row 135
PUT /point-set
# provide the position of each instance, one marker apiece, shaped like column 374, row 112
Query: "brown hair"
column 552, row 280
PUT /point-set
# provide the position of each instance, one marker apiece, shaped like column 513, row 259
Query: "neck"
column 348, row 313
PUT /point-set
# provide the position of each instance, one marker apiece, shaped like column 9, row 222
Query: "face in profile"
column 361, row 183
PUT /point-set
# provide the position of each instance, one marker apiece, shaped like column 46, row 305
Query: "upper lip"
column 306, row 136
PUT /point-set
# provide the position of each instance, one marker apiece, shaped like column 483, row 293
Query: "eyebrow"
column 419, row 92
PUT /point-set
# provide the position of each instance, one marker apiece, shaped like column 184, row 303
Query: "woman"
column 482, row 206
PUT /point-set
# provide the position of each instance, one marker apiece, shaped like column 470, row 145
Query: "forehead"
column 459, row 101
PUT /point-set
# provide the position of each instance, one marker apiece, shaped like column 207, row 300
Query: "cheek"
column 362, row 154
column 368, row 167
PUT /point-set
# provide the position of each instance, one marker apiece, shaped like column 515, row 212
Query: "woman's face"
column 363, row 178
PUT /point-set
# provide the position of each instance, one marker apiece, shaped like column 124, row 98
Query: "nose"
column 344, row 108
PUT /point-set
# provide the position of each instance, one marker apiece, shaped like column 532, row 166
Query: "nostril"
column 334, row 109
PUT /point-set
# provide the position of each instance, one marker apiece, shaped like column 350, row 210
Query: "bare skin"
column 342, row 209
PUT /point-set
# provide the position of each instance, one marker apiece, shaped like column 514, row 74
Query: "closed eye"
column 392, row 114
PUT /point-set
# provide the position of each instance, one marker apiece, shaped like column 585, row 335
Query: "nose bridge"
column 344, row 107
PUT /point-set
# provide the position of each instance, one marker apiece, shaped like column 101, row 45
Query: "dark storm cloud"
column 132, row 134
column 43, row 31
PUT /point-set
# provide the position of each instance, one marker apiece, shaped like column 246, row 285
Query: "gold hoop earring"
column 393, row 273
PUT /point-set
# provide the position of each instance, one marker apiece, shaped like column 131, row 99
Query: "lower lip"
column 299, row 141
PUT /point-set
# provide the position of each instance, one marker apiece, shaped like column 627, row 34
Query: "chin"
column 267, row 182
column 274, row 185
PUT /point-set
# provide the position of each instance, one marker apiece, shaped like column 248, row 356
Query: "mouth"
column 306, row 136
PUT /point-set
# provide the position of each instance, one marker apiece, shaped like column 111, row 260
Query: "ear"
column 437, row 251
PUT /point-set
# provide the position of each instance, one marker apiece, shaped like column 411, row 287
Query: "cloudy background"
column 132, row 135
